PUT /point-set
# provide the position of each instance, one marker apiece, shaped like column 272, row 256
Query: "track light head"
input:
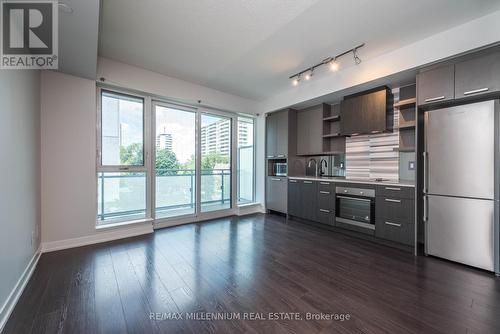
column 334, row 66
column 296, row 80
column 357, row 60
column 309, row 75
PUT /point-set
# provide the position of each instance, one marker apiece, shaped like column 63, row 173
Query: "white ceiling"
column 249, row 48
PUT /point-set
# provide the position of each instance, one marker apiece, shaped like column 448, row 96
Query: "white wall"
column 471, row 35
column 19, row 176
column 69, row 195
column 127, row 76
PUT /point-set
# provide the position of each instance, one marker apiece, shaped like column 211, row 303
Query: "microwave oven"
column 279, row 169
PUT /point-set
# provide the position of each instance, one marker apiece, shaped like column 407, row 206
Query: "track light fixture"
column 330, row 61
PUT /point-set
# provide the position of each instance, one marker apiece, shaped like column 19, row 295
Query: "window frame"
column 254, row 157
column 145, row 168
column 161, row 103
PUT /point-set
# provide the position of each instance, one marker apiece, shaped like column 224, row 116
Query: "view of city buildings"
column 216, row 137
column 164, row 141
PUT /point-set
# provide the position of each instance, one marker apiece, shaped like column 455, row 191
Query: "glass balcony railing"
column 123, row 195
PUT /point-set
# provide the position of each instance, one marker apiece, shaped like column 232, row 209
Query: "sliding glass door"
column 192, row 161
column 175, row 161
column 216, row 155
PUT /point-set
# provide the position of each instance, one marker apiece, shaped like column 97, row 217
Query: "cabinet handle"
column 390, row 188
column 480, row 90
column 392, row 224
column 393, row 200
column 324, row 183
column 270, row 156
column 437, row 98
column 275, row 179
column 425, row 209
column 324, row 192
column 308, row 182
column 293, row 181
column 323, row 210
column 425, row 171
column 281, row 155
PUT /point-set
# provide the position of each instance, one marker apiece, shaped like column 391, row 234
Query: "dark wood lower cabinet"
column 309, row 202
column 314, row 201
column 400, row 232
column 395, row 214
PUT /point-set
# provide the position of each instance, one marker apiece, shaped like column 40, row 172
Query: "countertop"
column 401, row 183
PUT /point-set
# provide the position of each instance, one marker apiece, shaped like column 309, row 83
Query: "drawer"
column 326, row 186
column 395, row 191
column 395, row 209
column 325, row 216
column 395, row 231
column 326, row 201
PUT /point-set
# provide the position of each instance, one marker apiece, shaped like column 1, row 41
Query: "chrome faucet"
column 321, row 172
column 309, row 166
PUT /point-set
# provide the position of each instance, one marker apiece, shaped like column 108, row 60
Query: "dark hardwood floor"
column 252, row 266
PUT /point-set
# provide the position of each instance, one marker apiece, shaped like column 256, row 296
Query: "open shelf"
column 333, row 140
column 406, row 103
column 333, row 152
column 407, row 126
column 332, row 118
column 404, row 149
column 332, row 135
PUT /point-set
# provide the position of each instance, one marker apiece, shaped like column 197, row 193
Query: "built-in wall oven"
column 355, row 207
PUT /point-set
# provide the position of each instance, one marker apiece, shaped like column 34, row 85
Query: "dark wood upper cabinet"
column 368, row 112
column 436, row 85
column 477, row 76
column 277, row 135
column 282, row 134
column 309, row 130
column 271, row 136
column 466, row 77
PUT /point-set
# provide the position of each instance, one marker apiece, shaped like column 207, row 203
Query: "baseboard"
column 100, row 236
column 18, row 289
column 250, row 209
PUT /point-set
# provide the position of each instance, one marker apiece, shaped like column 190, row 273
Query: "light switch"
column 411, row 165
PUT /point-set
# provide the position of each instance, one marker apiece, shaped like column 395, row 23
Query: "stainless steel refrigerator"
column 461, row 185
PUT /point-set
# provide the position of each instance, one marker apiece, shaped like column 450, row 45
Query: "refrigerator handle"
column 425, row 172
column 425, row 217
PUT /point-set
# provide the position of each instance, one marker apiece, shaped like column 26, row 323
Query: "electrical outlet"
column 32, row 237
column 411, row 165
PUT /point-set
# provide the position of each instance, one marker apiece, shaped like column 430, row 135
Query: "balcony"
column 123, row 195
